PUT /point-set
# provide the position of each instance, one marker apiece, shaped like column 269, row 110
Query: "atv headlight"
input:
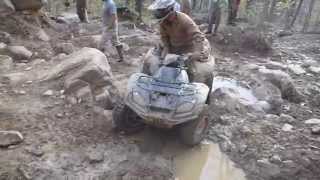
column 185, row 107
column 137, row 98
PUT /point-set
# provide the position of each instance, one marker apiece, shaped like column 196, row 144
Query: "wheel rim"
column 201, row 127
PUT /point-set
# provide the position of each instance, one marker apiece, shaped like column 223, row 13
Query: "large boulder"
column 8, row 138
column 282, row 81
column 87, row 67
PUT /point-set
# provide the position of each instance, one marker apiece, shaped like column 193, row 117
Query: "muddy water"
column 204, row 162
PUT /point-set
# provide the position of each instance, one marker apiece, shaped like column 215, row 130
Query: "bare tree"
column 272, row 8
column 296, row 13
column 308, row 16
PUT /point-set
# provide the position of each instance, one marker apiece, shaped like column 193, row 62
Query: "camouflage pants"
column 110, row 34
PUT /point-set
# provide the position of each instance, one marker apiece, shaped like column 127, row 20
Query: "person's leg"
column 217, row 20
column 230, row 8
column 211, row 17
column 116, row 42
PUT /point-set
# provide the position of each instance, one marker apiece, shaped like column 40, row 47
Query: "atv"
column 166, row 99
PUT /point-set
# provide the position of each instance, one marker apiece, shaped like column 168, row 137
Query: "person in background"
column 139, row 8
column 233, row 11
column 110, row 28
column 215, row 8
column 82, row 10
column 186, row 7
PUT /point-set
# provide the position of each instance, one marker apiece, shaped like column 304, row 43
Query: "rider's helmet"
column 162, row 8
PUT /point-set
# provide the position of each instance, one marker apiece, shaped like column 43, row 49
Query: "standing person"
column 214, row 16
column 186, row 7
column 233, row 11
column 181, row 35
column 139, row 8
column 82, row 10
column 110, row 28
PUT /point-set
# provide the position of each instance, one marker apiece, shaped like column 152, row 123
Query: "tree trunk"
column 296, row 13
column 308, row 16
column 272, row 8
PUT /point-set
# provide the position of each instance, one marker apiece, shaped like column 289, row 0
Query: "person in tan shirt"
column 180, row 35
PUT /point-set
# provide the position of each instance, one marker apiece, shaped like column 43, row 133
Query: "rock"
column 13, row 78
column 48, row 93
column 68, row 18
column 88, row 41
column 276, row 159
column 19, row 52
column 59, row 115
column 297, row 69
column 66, row 48
column 287, row 127
column 6, row 63
column 59, row 57
column 104, row 100
column 95, row 157
column 36, row 151
column 315, row 70
column 3, row 47
column 286, row 118
column 8, row 138
column 312, row 121
column 42, row 35
column 267, row 168
column 5, row 37
column 87, row 67
column 316, row 130
column 284, row 82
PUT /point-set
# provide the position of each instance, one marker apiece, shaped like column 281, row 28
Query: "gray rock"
column 268, row 169
column 297, row 69
column 8, row 138
column 19, row 52
column 287, row 118
column 13, row 78
column 312, row 121
column 5, row 37
column 42, row 35
column 315, row 70
column 66, row 48
column 6, row 63
column 95, row 157
column 87, row 67
column 287, row 127
column 284, row 82
column 316, row 130
column 48, row 93
column 276, row 159
column 36, row 151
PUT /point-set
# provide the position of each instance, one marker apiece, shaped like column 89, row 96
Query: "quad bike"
column 166, row 99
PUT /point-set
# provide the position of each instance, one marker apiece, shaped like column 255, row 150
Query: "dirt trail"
column 64, row 139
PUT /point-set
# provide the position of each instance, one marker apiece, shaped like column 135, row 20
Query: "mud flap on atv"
column 193, row 132
column 125, row 119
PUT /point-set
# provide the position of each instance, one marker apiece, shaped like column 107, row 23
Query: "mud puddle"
column 202, row 162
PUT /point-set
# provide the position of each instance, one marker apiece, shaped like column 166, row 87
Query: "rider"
column 180, row 35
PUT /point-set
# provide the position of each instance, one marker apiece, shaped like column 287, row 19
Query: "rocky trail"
column 56, row 99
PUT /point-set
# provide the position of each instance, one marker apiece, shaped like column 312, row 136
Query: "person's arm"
column 165, row 41
column 201, row 50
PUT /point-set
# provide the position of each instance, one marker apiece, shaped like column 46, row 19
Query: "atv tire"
column 193, row 132
column 125, row 119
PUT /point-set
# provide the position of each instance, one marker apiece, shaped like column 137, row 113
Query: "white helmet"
column 161, row 4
